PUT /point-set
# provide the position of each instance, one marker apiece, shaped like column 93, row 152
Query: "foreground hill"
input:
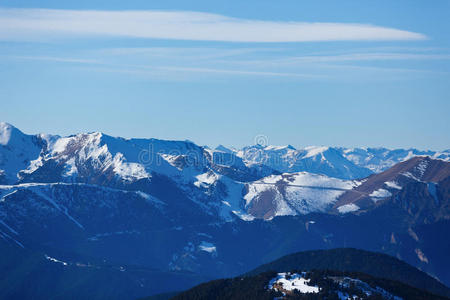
column 328, row 274
column 305, row 285
column 356, row 260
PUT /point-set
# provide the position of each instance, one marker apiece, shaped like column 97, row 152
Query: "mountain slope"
column 419, row 184
column 293, row 193
column 35, row 275
column 404, row 182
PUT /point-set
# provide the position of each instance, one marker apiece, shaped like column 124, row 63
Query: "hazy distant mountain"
column 344, row 163
column 321, row 160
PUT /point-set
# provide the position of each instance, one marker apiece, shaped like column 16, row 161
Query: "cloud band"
column 31, row 24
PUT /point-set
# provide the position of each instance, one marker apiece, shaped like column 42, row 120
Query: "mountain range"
column 144, row 210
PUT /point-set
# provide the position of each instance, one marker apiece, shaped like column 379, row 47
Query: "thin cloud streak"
column 35, row 24
column 185, row 52
column 59, row 59
column 143, row 69
column 312, row 68
column 195, row 74
column 342, row 58
column 370, row 57
column 240, row 72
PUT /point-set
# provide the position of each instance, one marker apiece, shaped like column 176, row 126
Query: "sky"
column 339, row 73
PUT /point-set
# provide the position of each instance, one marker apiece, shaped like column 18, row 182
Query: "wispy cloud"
column 59, row 59
column 168, row 73
column 35, row 24
column 370, row 57
column 197, row 63
column 241, row 72
column 184, row 53
column 155, row 70
column 350, row 57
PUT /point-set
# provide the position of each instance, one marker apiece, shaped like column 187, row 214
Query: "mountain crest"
column 9, row 134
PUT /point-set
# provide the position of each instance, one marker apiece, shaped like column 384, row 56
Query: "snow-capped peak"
column 279, row 148
column 17, row 151
column 8, row 133
column 224, row 149
column 314, row 151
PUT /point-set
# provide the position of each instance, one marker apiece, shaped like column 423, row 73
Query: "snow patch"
column 243, row 216
column 421, row 256
column 409, row 175
column 5, row 133
column 207, row 247
column 150, row 198
column 343, row 209
column 379, row 194
column 52, row 259
column 34, row 165
column 393, row 185
column 233, row 201
column 60, row 145
column 291, row 282
column 422, row 167
column 128, row 170
column 70, row 169
column 314, row 151
column 206, row 179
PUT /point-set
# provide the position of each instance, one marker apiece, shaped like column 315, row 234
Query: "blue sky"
column 347, row 73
